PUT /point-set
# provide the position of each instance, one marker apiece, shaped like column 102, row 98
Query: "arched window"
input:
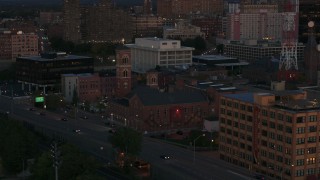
column 125, row 60
column 153, row 80
column 125, row 73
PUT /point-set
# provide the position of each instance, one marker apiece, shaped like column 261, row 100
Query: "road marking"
column 244, row 177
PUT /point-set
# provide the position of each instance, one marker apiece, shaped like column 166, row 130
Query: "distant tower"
column 312, row 55
column 71, row 20
column 288, row 64
column 147, row 7
column 123, row 68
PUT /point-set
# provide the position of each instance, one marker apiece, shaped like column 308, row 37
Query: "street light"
column 125, row 121
column 111, row 117
column 194, row 146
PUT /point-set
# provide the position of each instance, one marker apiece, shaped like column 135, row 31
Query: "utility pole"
column 55, row 153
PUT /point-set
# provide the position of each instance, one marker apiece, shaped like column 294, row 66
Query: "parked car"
column 64, row 119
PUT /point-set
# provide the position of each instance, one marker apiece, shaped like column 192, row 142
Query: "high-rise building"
column 96, row 23
column 255, row 22
column 72, row 20
column 275, row 134
column 183, row 8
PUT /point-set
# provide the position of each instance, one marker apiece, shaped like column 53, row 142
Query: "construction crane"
column 288, row 65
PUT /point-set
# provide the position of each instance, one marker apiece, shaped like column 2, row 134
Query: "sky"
column 46, row 2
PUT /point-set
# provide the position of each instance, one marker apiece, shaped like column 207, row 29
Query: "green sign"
column 39, row 99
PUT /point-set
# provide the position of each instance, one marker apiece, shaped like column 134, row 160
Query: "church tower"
column 312, row 55
column 123, row 68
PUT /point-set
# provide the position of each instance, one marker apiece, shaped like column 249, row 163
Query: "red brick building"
column 148, row 109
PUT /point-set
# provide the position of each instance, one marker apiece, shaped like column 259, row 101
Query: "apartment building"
column 24, row 44
column 275, row 134
column 183, row 30
column 253, row 50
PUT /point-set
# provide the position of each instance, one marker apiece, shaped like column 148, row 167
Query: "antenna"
column 288, row 57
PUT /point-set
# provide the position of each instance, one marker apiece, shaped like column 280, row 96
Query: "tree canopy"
column 17, row 145
column 127, row 140
column 73, row 165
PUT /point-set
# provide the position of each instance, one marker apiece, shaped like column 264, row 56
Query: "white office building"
column 147, row 53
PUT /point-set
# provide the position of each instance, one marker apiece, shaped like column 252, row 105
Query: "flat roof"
column 214, row 57
column 233, row 64
column 58, row 58
column 245, row 97
column 182, row 48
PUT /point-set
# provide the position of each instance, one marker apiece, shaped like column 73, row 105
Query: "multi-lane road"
column 93, row 138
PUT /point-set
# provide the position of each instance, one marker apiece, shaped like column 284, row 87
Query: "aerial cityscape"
column 160, row 89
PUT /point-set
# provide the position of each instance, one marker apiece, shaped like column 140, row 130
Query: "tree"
column 220, row 49
column 17, row 145
column 73, row 165
column 200, row 43
column 127, row 140
column 42, row 169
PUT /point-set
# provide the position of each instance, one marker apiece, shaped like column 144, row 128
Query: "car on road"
column 112, row 131
column 165, row 157
column 259, row 176
column 180, row 132
column 84, row 117
column 32, row 109
column 42, row 113
column 64, row 119
column 77, row 131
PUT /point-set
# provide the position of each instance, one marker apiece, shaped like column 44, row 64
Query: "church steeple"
column 312, row 55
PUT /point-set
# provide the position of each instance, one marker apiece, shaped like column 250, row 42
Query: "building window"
column 300, row 130
column 300, row 151
column 313, row 118
column 272, row 125
column 312, row 128
column 236, row 105
column 223, row 102
column 311, row 171
column 125, row 73
column 311, row 160
column 272, row 114
column 300, row 162
column 125, row 60
column 264, row 112
column 243, row 107
column 300, row 140
column 300, row 172
column 264, row 122
column 236, row 115
column 289, row 119
column 288, row 129
column 312, row 139
column 300, row 119
column 312, row 150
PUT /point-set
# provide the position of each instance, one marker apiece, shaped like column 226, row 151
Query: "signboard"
column 39, row 99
